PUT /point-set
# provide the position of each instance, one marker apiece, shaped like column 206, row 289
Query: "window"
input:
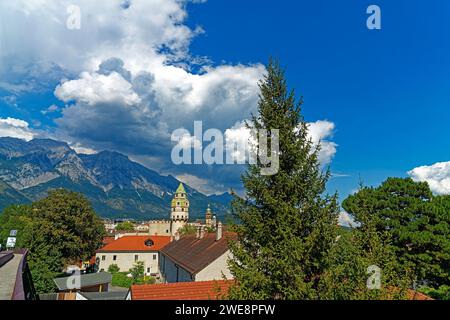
column 154, row 257
column 136, row 257
column 178, row 203
column 148, row 270
column 103, row 258
column 114, row 258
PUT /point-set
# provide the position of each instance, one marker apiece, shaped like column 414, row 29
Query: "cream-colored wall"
column 159, row 228
column 214, row 270
column 177, row 225
column 125, row 260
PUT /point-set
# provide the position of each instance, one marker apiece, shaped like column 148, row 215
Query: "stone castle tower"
column 179, row 215
column 208, row 217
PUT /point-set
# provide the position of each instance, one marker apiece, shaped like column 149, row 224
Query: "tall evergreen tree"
column 287, row 225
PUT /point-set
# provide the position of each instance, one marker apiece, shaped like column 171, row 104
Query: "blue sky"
column 385, row 91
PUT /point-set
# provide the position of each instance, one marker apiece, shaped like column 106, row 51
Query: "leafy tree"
column 149, row 280
column 14, row 218
column 57, row 231
column 287, row 225
column 357, row 257
column 68, row 223
column 137, row 272
column 121, row 279
column 125, row 226
column 417, row 223
column 187, row 229
column 441, row 293
column 113, row 268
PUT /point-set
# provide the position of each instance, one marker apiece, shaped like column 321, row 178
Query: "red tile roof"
column 415, row 295
column 203, row 290
column 107, row 240
column 136, row 244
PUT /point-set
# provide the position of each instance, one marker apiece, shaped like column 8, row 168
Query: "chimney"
column 202, row 232
column 219, row 231
column 177, row 236
column 198, row 232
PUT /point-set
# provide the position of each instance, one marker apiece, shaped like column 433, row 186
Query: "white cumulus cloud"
column 127, row 77
column 96, row 88
column 319, row 132
column 346, row 220
column 437, row 176
column 15, row 128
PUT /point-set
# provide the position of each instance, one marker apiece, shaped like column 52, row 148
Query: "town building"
column 203, row 290
column 127, row 250
column 199, row 257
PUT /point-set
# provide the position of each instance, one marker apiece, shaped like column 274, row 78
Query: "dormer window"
column 149, row 242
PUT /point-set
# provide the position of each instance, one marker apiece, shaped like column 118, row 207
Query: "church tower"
column 208, row 217
column 179, row 215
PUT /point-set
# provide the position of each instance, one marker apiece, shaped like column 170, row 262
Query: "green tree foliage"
column 187, row 229
column 58, row 230
column 355, row 257
column 14, row 218
column 417, row 223
column 137, row 272
column 441, row 293
column 121, row 279
column 287, row 225
column 125, row 226
column 68, row 222
column 113, row 268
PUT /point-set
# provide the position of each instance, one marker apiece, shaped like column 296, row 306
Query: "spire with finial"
column 181, row 189
column 208, row 217
column 179, row 209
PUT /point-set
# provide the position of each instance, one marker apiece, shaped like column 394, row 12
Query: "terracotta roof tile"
column 107, row 240
column 203, row 290
column 415, row 295
column 136, row 244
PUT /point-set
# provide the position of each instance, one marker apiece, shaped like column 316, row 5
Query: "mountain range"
column 116, row 186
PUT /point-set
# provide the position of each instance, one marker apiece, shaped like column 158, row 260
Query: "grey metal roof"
column 86, row 280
